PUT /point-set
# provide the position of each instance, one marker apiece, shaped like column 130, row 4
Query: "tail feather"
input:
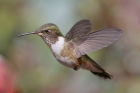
column 96, row 69
column 102, row 75
column 100, row 72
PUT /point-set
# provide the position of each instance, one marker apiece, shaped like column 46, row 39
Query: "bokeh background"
column 28, row 66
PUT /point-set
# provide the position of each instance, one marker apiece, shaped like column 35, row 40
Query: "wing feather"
column 82, row 27
column 94, row 41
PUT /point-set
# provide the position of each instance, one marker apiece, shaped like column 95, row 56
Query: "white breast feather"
column 58, row 46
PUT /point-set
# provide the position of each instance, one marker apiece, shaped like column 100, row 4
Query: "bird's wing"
column 93, row 41
column 80, row 28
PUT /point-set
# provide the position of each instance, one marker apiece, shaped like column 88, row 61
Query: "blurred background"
column 28, row 66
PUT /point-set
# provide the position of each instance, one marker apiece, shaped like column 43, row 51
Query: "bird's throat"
column 58, row 46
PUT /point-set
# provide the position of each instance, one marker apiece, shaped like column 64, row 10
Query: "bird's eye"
column 46, row 31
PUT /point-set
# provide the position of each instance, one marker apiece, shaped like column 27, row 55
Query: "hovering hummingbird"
column 71, row 50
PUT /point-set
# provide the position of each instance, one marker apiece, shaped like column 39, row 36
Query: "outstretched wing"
column 80, row 28
column 95, row 40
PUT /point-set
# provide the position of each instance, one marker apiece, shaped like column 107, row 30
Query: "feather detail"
column 82, row 27
column 94, row 41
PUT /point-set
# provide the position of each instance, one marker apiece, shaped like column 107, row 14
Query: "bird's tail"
column 91, row 65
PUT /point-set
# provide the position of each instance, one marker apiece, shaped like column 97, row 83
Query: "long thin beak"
column 26, row 34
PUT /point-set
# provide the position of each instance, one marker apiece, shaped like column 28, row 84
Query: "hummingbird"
column 71, row 50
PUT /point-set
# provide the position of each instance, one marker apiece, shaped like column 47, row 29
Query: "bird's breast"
column 58, row 49
column 58, row 46
column 66, row 61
